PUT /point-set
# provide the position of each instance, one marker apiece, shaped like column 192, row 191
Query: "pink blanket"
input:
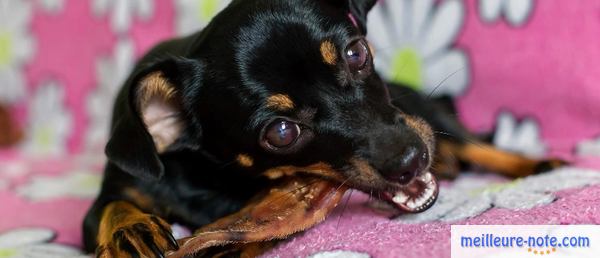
column 527, row 69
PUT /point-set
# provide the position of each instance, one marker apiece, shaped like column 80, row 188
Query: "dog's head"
column 280, row 87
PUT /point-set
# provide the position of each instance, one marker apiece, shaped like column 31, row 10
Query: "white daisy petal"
column 490, row 9
column 23, row 47
column 450, row 71
column 20, row 14
column 504, row 130
column 100, row 7
column 49, row 250
column 12, row 85
column 383, row 59
column 124, row 60
column 145, row 9
column 399, row 13
column 25, row 236
column 522, row 137
column 121, row 19
column 589, row 147
column 17, row 48
column 52, row 6
column 75, row 184
column 378, row 29
column 122, row 12
column 530, row 139
column 193, row 15
column 49, row 122
column 517, row 11
column 421, row 13
column 443, row 28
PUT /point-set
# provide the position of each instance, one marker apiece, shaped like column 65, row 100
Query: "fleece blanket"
column 523, row 68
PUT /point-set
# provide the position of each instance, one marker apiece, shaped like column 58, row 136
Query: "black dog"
column 269, row 86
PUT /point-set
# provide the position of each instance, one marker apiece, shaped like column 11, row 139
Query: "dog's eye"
column 357, row 56
column 281, row 133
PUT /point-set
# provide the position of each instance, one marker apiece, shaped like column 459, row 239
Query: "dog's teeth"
column 411, row 204
column 400, row 197
column 427, row 177
column 428, row 192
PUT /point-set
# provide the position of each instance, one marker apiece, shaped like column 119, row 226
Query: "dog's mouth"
column 416, row 196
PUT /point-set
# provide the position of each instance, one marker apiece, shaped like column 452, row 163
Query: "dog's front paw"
column 145, row 236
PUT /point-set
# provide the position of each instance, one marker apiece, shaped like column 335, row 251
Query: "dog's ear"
column 151, row 118
column 358, row 9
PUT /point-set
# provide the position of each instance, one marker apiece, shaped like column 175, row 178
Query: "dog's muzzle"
column 419, row 187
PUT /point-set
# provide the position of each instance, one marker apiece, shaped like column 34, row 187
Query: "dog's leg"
column 126, row 231
column 490, row 158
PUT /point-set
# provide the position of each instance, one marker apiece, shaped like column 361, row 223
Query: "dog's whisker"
column 344, row 182
column 344, row 208
column 401, row 96
column 443, row 81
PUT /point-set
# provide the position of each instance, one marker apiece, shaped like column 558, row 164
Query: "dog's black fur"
column 223, row 76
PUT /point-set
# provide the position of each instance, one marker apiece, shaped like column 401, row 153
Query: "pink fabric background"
column 546, row 69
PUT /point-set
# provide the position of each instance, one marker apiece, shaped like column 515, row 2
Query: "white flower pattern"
column 34, row 243
column 589, row 148
column 470, row 196
column 521, row 137
column 49, row 121
column 52, row 6
column 515, row 11
column 122, row 12
column 413, row 41
column 78, row 184
column 111, row 73
column 17, row 47
column 193, row 15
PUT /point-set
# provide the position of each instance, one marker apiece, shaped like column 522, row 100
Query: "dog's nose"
column 412, row 162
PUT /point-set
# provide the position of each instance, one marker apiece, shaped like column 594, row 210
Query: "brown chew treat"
column 9, row 134
column 295, row 204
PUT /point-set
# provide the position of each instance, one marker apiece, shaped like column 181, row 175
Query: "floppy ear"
column 150, row 117
column 358, row 9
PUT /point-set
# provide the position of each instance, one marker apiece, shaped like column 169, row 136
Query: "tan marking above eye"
column 244, row 160
column 280, row 102
column 329, row 52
